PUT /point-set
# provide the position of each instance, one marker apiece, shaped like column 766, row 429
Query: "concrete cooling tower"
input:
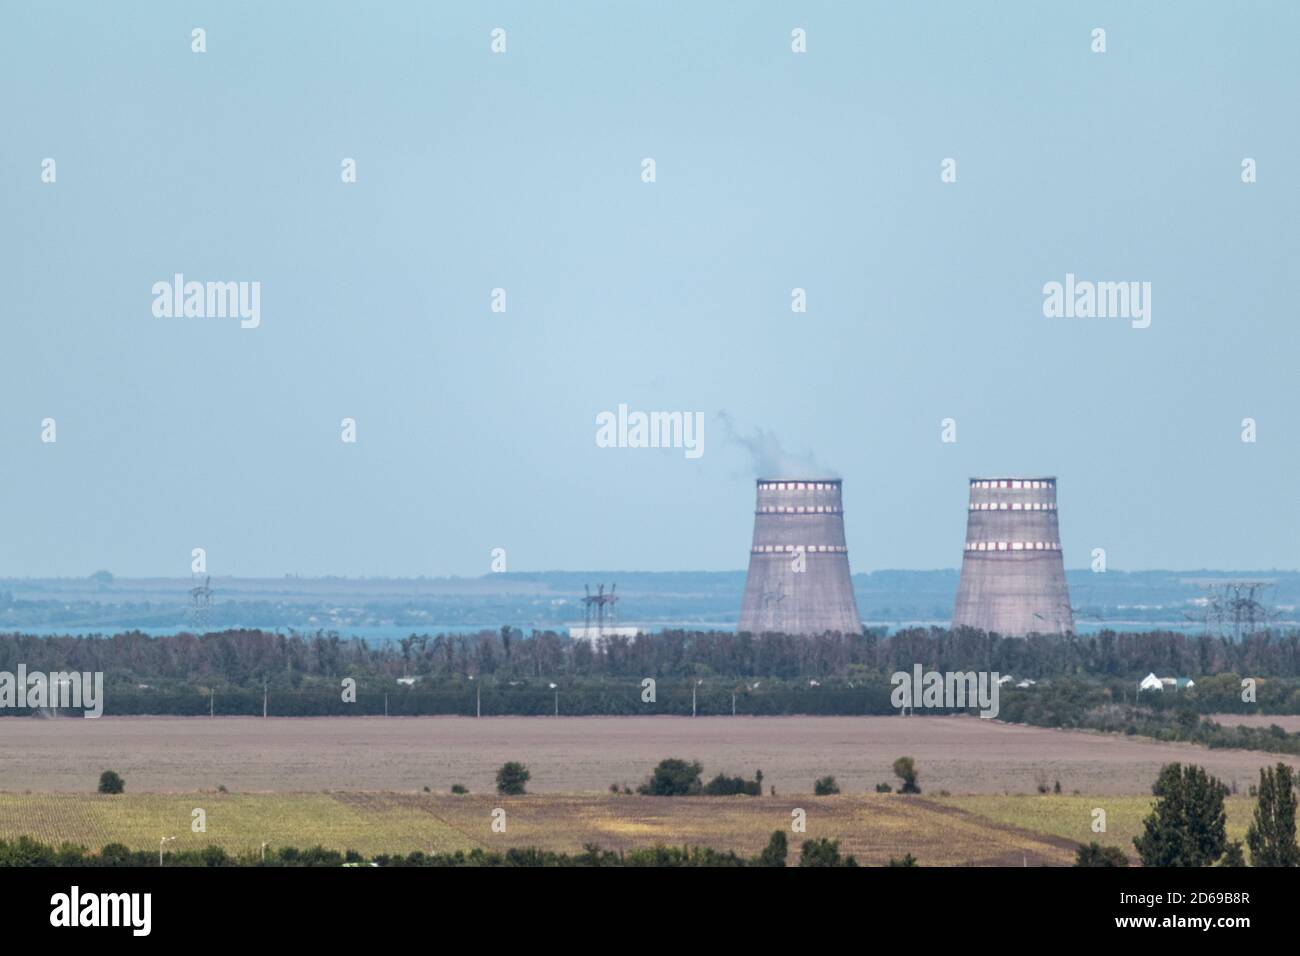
column 1012, row 573
column 799, row 563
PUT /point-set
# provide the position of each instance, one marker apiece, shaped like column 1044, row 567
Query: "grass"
column 1070, row 817
column 873, row 827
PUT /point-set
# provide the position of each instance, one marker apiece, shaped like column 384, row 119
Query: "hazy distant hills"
column 553, row 599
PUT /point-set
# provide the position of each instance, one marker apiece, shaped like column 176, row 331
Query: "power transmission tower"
column 602, row 606
column 200, row 610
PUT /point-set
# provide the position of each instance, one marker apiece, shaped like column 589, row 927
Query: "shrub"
column 825, row 786
column 511, row 779
column 884, row 788
column 111, row 782
column 673, row 778
column 724, row 786
column 1094, row 854
column 905, row 770
column 775, row 852
column 823, row 852
column 459, row 788
column 908, row 860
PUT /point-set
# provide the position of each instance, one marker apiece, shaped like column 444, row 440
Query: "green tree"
column 724, row 786
column 1233, row 856
column 825, row 787
column 1271, row 836
column 111, row 782
column 511, row 778
column 1187, row 825
column 1094, row 854
column 905, row 770
column 823, row 852
column 673, row 778
column 775, row 852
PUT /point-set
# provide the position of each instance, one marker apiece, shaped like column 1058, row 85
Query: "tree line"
column 25, row 851
column 248, row 657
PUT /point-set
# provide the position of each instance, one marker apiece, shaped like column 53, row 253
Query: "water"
column 380, row 633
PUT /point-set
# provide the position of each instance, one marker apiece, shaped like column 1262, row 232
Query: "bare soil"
column 1288, row 722
column 962, row 755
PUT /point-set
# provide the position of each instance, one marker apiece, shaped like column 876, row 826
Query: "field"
column 1288, row 722
column 1070, row 817
column 358, row 783
column 874, row 827
column 575, row 755
column 944, row 831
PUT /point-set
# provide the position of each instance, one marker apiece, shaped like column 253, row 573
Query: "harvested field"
column 582, row 754
column 872, row 827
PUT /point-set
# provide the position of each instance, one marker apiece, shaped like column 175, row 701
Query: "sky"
column 523, row 170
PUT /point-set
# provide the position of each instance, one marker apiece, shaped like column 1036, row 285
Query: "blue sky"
column 522, row 171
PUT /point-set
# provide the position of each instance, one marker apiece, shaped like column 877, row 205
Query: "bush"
column 724, row 786
column 673, row 778
column 1094, row 854
column 459, row 788
column 111, row 782
column 511, row 779
column 905, row 770
column 908, row 860
column 825, row 787
column 774, row 853
column 884, row 788
column 823, row 852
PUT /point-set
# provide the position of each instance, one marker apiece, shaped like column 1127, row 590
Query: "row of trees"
column 244, row 658
column 814, row 852
column 1098, row 704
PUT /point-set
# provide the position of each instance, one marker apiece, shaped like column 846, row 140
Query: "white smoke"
column 770, row 458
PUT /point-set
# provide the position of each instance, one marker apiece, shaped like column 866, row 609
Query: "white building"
column 1151, row 682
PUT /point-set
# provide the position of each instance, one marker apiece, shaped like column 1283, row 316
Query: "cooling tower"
column 799, row 564
column 1012, row 573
